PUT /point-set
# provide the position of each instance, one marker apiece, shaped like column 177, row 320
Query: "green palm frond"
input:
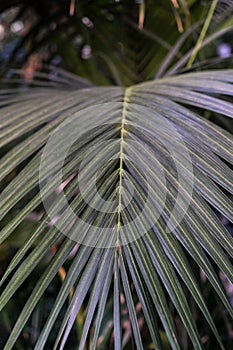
column 141, row 171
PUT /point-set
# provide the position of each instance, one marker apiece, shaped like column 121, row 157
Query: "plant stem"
column 203, row 33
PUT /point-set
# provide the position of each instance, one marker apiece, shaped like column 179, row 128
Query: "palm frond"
column 141, row 171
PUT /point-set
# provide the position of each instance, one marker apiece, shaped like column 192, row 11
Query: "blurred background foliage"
column 107, row 42
column 111, row 42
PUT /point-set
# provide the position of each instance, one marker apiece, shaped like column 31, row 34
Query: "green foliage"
column 135, row 256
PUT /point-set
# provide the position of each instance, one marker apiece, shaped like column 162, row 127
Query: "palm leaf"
column 141, row 170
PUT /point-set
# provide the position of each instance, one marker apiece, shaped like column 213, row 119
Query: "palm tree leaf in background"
column 137, row 53
column 142, row 174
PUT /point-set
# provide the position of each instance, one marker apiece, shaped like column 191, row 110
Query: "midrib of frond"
column 121, row 155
